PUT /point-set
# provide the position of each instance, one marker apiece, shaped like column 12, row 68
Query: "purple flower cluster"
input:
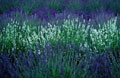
column 45, row 13
column 59, row 62
column 18, row 15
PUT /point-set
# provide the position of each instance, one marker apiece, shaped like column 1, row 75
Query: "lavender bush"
column 59, row 39
column 73, row 30
column 106, row 36
column 44, row 13
column 18, row 15
column 96, row 18
column 18, row 36
column 60, row 62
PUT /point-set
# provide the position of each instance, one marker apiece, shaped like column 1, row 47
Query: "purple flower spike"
column 37, row 49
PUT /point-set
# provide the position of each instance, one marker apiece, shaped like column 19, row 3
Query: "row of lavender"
column 61, row 62
column 22, row 31
column 84, row 6
column 80, row 51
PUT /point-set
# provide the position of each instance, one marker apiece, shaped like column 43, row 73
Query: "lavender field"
column 59, row 39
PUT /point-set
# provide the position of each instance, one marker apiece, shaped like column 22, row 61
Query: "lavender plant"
column 12, row 13
column 44, row 13
column 70, row 30
column 18, row 15
column 75, row 30
column 68, row 45
column 106, row 36
column 60, row 62
column 96, row 18
column 18, row 36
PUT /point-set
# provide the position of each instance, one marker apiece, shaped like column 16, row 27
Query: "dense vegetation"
column 59, row 39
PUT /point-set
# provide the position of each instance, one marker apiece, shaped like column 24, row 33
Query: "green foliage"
column 115, row 6
column 93, row 6
column 6, row 4
column 70, row 30
column 54, row 4
column 30, row 5
column 28, row 35
column 19, row 36
column 74, row 5
column 75, row 31
column 107, row 35
column 50, row 34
